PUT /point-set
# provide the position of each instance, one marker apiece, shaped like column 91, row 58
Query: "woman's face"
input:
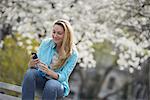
column 58, row 34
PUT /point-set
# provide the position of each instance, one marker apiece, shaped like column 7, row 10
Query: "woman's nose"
column 55, row 35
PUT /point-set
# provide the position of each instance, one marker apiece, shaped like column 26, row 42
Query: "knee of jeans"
column 30, row 73
column 51, row 85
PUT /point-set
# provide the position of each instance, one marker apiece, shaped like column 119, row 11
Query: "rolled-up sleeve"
column 68, row 67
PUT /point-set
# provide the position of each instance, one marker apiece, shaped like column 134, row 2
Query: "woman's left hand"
column 44, row 68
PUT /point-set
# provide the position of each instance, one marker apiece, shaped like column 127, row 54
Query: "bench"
column 11, row 87
column 14, row 88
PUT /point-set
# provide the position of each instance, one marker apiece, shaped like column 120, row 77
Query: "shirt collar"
column 53, row 44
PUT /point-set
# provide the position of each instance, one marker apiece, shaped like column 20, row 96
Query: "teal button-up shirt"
column 46, row 52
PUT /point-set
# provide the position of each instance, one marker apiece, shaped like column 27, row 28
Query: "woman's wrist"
column 52, row 74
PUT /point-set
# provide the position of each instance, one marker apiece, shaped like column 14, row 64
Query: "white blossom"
column 93, row 21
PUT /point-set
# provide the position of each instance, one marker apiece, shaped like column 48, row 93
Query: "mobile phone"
column 35, row 55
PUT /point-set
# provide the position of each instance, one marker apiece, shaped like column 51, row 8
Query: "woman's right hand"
column 33, row 62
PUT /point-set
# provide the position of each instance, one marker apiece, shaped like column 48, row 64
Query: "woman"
column 56, row 60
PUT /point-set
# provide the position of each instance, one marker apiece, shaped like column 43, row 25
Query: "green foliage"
column 103, row 54
column 14, row 58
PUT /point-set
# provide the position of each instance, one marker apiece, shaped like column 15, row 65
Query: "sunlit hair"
column 67, row 44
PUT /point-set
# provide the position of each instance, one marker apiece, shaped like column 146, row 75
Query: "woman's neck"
column 58, row 47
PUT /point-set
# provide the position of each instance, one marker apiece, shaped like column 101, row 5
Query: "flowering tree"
column 128, row 25
column 28, row 17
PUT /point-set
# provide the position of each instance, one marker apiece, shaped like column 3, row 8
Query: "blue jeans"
column 34, row 81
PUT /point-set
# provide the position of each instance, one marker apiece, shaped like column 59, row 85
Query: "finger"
column 36, row 60
column 42, row 63
column 43, row 69
column 43, row 66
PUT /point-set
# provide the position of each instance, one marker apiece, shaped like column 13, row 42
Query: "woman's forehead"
column 58, row 28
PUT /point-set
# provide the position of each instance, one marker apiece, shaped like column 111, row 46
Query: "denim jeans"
column 34, row 81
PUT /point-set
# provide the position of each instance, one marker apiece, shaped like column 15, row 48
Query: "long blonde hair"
column 67, row 44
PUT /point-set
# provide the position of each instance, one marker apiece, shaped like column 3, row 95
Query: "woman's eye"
column 59, row 33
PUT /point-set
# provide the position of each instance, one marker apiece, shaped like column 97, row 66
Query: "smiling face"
column 62, row 34
column 58, row 34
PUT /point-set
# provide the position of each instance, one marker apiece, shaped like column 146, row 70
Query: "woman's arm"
column 68, row 67
column 65, row 72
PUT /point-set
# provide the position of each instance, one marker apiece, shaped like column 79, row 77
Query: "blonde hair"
column 67, row 44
